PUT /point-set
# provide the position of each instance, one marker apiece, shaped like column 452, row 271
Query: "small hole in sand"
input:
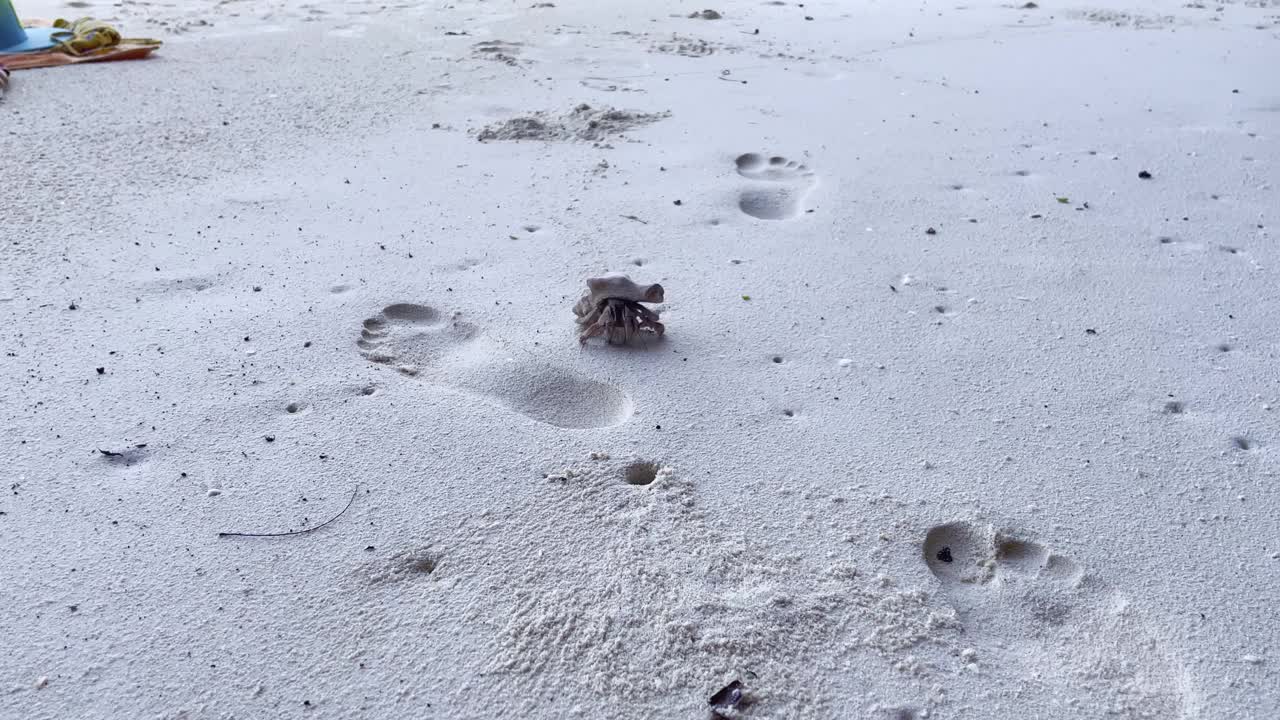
column 789, row 413
column 531, row 228
column 1022, row 173
column 777, row 359
column 368, row 390
column 940, row 309
column 641, row 473
column 1173, row 407
column 1223, row 347
column 292, row 408
column 1241, row 443
column 1165, row 240
column 638, row 262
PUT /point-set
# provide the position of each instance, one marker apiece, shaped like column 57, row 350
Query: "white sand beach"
column 967, row 405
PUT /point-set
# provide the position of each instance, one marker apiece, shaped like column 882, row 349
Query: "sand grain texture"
column 957, row 415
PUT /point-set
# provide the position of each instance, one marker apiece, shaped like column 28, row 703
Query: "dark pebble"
column 945, row 555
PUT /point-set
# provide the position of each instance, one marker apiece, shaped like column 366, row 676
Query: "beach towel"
column 83, row 40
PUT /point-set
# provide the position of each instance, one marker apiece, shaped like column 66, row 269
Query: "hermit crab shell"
column 615, row 285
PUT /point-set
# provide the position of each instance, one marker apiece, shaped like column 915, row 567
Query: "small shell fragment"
column 727, row 697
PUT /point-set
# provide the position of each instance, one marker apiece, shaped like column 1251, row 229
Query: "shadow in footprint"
column 550, row 395
column 405, row 566
column 1034, row 616
column 779, row 189
column 972, row 559
column 421, row 342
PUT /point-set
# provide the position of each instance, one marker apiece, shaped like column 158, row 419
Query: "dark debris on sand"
column 727, row 698
column 583, row 123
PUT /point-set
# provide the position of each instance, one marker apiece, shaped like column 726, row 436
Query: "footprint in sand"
column 1038, row 622
column 424, row 343
column 779, row 189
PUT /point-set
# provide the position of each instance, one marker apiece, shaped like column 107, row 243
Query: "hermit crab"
column 611, row 308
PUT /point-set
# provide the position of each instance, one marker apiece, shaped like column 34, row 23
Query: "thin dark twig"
column 296, row 532
column 633, row 217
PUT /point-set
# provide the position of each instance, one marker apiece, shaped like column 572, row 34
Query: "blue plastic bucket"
column 14, row 38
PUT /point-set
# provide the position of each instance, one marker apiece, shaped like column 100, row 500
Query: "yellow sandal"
column 86, row 36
